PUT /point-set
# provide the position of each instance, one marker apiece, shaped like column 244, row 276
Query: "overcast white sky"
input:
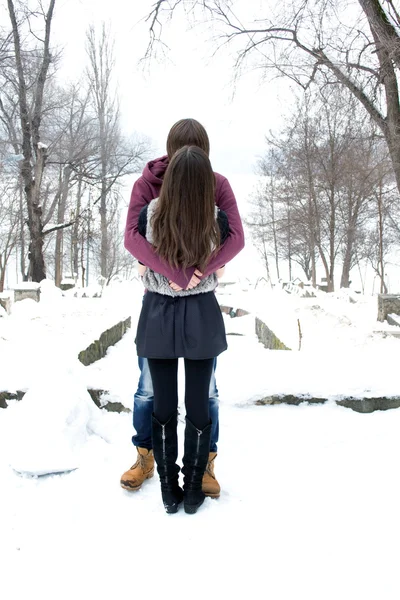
column 188, row 83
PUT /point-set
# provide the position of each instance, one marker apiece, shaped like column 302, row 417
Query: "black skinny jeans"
column 164, row 374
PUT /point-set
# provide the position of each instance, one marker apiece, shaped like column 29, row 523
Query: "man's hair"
column 185, row 230
column 187, row 132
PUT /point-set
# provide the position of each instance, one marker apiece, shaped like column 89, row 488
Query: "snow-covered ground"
column 52, row 332
column 310, row 494
column 309, row 510
column 345, row 351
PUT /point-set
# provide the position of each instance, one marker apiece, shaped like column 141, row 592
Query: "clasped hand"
column 195, row 280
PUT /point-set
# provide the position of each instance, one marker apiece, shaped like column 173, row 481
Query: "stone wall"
column 360, row 405
column 98, row 348
column 233, row 312
column 96, row 395
column 369, row 405
column 99, row 397
column 288, row 399
column 5, row 302
column 31, row 294
column 268, row 337
column 387, row 304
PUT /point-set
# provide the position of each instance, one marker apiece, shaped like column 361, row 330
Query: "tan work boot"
column 210, row 485
column 142, row 469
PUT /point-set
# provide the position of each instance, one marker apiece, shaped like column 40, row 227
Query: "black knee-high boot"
column 165, row 448
column 197, row 448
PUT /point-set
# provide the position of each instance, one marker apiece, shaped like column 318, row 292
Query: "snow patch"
column 26, row 309
column 52, row 423
column 27, row 285
column 50, row 294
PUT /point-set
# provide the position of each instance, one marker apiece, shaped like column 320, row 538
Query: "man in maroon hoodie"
column 145, row 189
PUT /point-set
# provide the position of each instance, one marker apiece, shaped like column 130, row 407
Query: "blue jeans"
column 143, row 408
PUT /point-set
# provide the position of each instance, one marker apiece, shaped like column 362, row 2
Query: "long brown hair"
column 187, row 132
column 185, row 230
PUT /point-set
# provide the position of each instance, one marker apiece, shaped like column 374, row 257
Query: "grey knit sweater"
column 154, row 282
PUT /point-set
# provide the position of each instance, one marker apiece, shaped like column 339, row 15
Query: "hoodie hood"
column 154, row 171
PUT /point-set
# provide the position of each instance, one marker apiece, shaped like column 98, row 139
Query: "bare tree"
column 382, row 235
column 9, row 222
column 84, row 147
column 327, row 165
column 259, row 224
column 10, row 139
column 33, row 150
column 117, row 156
column 71, row 152
column 365, row 170
column 300, row 39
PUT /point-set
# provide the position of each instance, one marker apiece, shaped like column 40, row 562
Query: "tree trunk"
column 289, row 241
column 329, row 281
column 22, row 235
column 82, row 257
column 349, row 250
column 345, row 278
column 32, row 170
column 387, row 43
column 312, row 207
column 266, row 262
column 88, row 234
column 274, row 230
column 311, row 221
column 381, row 264
column 2, row 272
column 37, row 269
column 75, row 230
column 104, row 230
column 313, row 267
column 332, row 231
column 60, row 220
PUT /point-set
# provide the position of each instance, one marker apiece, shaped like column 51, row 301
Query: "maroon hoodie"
column 145, row 189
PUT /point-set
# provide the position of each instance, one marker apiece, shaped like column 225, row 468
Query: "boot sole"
column 191, row 509
column 214, row 496
column 171, row 510
column 129, row 488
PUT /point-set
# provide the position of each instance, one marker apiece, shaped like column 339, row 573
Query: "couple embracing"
column 183, row 226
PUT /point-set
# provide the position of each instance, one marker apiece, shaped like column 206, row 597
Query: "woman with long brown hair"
column 186, row 229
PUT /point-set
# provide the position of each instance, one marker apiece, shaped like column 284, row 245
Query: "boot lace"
column 140, row 462
column 210, row 468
